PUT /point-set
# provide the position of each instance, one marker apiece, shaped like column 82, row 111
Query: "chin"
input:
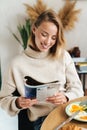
column 44, row 50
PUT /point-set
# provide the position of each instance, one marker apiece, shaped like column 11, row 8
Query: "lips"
column 45, row 46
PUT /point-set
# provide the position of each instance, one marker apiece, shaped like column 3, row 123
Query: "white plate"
column 83, row 128
column 80, row 114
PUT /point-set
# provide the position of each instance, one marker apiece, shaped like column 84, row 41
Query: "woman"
column 45, row 60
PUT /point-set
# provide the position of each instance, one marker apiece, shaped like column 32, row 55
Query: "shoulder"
column 66, row 54
column 67, row 58
column 17, row 60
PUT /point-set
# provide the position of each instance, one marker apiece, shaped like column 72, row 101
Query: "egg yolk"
column 83, row 117
column 75, row 108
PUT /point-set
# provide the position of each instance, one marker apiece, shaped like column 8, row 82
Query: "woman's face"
column 45, row 36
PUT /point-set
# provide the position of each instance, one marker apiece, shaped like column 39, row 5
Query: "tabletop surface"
column 58, row 115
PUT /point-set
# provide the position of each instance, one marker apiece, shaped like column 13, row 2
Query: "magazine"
column 41, row 92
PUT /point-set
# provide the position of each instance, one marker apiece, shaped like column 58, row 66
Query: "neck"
column 34, row 48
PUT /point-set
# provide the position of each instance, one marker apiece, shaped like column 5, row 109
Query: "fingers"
column 57, row 99
column 24, row 103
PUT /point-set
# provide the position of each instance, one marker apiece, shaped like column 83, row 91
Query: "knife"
column 68, row 120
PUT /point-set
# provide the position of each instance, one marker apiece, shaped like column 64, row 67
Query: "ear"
column 33, row 29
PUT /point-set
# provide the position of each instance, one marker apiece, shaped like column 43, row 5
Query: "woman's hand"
column 58, row 98
column 22, row 102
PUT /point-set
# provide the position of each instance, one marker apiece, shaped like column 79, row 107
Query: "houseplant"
column 25, row 31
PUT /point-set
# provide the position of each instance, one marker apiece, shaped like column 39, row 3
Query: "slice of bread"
column 71, row 127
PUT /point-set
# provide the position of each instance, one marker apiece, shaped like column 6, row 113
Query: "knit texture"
column 41, row 67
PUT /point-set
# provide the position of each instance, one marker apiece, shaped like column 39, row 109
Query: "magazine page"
column 41, row 92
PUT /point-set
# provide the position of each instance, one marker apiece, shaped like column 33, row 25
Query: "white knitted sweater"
column 41, row 67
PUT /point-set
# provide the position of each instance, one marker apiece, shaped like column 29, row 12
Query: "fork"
column 84, row 104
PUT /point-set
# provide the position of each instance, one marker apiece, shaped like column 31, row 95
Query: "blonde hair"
column 51, row 16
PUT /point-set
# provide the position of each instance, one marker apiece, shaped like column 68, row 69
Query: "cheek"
column 39, row 37
column 54, row 42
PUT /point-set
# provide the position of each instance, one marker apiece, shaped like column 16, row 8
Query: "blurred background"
column 13, row 13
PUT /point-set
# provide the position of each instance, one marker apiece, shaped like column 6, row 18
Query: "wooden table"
column 58, row 115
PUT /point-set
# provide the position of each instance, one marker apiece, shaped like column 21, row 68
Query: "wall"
column 12, row 12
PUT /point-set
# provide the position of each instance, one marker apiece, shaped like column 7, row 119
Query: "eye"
column 54, row 38
column 44, row 34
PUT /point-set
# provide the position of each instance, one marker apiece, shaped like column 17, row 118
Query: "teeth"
column 45, row 46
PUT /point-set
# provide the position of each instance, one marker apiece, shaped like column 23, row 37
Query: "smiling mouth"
column 45, row 46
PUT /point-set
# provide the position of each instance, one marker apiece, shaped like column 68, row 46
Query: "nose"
column 48, row 40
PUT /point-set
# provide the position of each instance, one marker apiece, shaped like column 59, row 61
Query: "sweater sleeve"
column 7, row 100
column 74, row 88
